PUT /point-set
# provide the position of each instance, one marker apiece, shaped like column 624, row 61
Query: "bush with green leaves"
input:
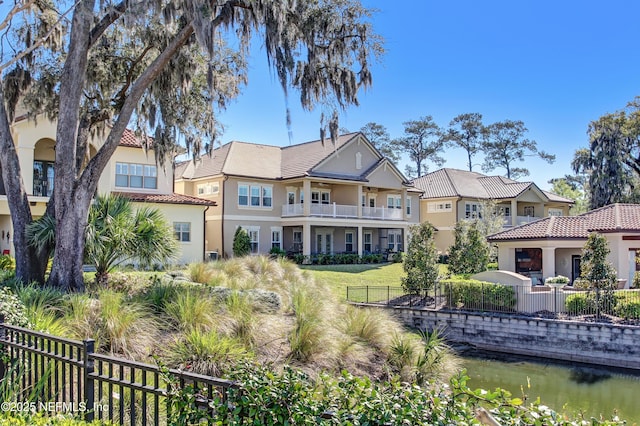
column 578, row 304
column 267, row 397
column 627, row 305
column 14, row 311
column 478, row 295
column 470, row 251
column 241, row 242
column 421, row 260
column 7, row 263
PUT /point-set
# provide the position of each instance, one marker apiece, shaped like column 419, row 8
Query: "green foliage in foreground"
column 267, row 397
column 41, row 419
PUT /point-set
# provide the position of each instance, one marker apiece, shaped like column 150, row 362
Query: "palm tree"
column 116, row 233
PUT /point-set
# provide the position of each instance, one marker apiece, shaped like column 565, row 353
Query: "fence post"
column 367, row 294
column 482, row 297
column 348, row 300
column 555, row 300
column 3, row 336
column 88, row 366
column 388, row 295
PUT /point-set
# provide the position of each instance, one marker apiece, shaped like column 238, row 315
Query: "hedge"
column 478, row 295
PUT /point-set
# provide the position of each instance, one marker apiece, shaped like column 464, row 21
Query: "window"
column 372, row 200
column 505, row 211
column 408, row 206
column 394, row 240
column 348, row 241
column 367, row 242
column 182, row 231
column 318, row 197
column 363, row 200
column 472, row 211
column 529, row 211
column 297, row 240
column 132, row 175
column 212, row 188
column 358, row 161
column 291, row 197
column 276, row 237
column 254, row 237
column 439, row 207
column 394, row 201
column 243, row 195
column 255, row 195
column 556, row 212
column 267, row 196
column 43, row 178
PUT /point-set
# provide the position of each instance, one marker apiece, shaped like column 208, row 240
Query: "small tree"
column 598, row 271
column 241, row 243
column 421, row 260
column 469, row 254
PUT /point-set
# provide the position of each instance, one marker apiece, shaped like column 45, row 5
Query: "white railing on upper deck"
column 342, row 211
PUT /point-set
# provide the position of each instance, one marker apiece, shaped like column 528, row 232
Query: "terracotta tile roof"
column 611, row 218
column 130, row 139
column 465, row 184
column 165, row 198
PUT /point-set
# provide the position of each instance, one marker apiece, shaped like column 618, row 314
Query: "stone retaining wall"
column 596, row 343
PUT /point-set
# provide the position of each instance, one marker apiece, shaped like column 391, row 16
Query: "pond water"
column 567, row 388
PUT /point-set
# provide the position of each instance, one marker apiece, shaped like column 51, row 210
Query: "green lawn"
column 339, row 277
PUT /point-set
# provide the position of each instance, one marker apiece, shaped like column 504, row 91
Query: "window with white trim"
column 254, row 238
column 131, row 175
column 297, row 240
column 367, row 241
column 529, row 211
column 211, row 188
column 182, row 231
column 472, row 211
column 255, row 195
column 348, row 241
column 394, row 240
column 408, row 206
column 320, row 197
column 276, row 237
column 439, row 207
column 394, row 201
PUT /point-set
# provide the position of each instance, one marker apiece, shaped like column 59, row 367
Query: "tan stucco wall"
column 192, row 251
column 385, row 177
column 107, row 182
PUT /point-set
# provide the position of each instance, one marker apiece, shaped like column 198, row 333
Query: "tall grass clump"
column 201, row 272
column 206, row 352
column 191, row 309
column 242, row 313
column 372, row 326
column 117, row 325
column 307, row 336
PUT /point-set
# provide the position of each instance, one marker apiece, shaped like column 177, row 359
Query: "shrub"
column 277, row 251
column 492, row 266
column 628, row 305
column 7, row 263
column 560, row 279
column 479, row 295
column 578, row 304
column 14, row 311
column 191, row 309
column 420, row 261
column 241, row 242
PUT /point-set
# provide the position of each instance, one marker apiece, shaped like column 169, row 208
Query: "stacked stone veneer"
column 605, row 344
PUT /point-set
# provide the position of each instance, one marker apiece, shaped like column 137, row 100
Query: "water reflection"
column 566, row 387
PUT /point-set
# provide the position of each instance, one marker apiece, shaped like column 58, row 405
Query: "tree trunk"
column 66, row 271
column 30, row 265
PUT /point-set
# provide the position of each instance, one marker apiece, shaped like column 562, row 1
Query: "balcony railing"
column 342, row 211
column 520, row 220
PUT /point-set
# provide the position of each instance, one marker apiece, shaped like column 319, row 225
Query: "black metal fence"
column 41, row 372
column 557, row 302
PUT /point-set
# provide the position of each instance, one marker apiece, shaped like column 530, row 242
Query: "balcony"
column 342, row 211
column 520, row 220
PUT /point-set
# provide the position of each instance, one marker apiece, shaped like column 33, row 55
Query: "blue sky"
column 555, row 65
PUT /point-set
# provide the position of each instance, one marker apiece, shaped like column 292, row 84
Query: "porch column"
column 514, row 212
column 359, row 202
column 306, row 239
column 404, row 204
column 306, row 189
column 548, row 262
column 360, row 240
column 405, row 237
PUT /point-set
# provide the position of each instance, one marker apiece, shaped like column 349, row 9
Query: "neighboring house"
column 553, row 245
column 131, row 172
column 450, row 195
column 308, row 198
